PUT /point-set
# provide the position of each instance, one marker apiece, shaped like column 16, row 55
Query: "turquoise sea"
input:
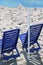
column 26, row 3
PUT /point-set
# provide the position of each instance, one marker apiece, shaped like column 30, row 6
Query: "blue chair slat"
column 34, row 35
column 9, row 42
column 10, row 39
column 35, row 32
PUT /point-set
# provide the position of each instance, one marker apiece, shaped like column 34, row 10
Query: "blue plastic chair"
column 35, row 31
column 9, row 43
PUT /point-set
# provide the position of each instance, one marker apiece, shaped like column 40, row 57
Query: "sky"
column 26, row 3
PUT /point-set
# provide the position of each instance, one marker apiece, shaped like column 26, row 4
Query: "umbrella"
column 25, row 3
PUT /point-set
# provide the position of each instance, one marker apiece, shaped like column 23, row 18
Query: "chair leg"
column 17, row 52
column 1, row 55
column 12, row 52
column 38, row 45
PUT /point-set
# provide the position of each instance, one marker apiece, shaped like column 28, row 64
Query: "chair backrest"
column 10, row 39
column 24, row 37
column 35, row 32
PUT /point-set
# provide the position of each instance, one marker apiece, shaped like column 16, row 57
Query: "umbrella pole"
column 29, row 33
